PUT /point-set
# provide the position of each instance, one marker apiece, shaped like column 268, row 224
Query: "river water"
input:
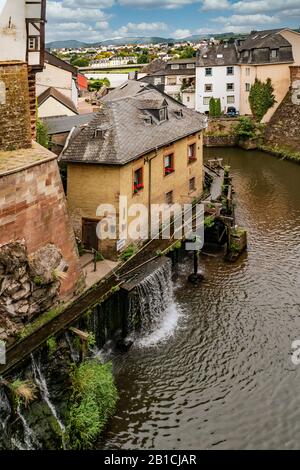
column 221, row 375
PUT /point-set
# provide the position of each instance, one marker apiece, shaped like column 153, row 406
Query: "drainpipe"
column 149, row 161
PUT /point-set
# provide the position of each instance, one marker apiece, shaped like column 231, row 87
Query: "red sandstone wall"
column 33, row 207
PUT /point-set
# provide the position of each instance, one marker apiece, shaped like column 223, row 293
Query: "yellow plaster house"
column 142, row 144
column 267, row 54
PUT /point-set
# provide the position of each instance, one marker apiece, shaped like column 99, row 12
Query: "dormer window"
column 99, row 133
column 274, row 53
column 175, row 66
column 163, row 114
column 178, row 113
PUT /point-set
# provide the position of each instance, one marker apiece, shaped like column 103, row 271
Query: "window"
column 208, row 87
column 169, row 197
column 230, row 99
column 230, row 86
column 157, row 81
column 230, row 70
column 246, row 54
column 192, row 184
column 175, row 66
column 247, row 71
column 138, row 184
column 208, row 72
column 274, row 53
column 192, row 153
column 190, row 66
column 33, row 43
column 171, row 81
column 163, row 114
column 188, row 99
column 247, row 86
column 169, row 164
column 206, row 100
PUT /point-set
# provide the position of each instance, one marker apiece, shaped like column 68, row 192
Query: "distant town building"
column 176, row 76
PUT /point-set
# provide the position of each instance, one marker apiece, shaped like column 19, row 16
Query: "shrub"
column 23, row 391
column 261, row 98
column 246, row 128
column 128, row 253
column 42, row 137
column 94, row 397
column 215, row 107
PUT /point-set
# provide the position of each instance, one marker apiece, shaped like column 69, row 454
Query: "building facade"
column 142, row 145
column 218, row 76
column 268, row 54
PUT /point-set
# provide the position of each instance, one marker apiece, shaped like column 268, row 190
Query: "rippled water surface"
column 224, row 378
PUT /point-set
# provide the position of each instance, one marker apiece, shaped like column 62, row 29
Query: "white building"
column 60, row 75
column 218, row 76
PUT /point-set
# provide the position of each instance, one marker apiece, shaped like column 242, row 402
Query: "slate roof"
column 54, row 93
column 168, row 72
column 122, row 132
column 218, row 55
column 62, row 124
column 260, row 43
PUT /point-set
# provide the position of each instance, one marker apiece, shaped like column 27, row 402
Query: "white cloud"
column 56, row 11
column 141, row 28
column 181, row 33
column 258, row 6
column 215, row 5
column 88, row 3
column 168, row 4
column 247, row 19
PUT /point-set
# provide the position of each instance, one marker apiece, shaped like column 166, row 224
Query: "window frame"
column 193, row 187
column 230, row 67
column 229, row 99
column 208, row 85
column 168, row 193
column 208, row 74
column 192, row 158
column 138, row 186
column 229, row 89
column 169, row 169
column 247, row 87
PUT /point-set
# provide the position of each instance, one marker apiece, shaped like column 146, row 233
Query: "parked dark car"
column 232, row 112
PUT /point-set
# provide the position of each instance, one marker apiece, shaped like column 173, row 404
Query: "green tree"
column 188, row 53
column 143, row 59
column 96, row 85
column 261, row 98
column 215, row 107
column 246, row 128
column 80, row 62
column 42, row 137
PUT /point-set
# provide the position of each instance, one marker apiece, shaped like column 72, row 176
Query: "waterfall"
column 153, row 314
column 73, row 352
column 30, row 440
column 42, row 385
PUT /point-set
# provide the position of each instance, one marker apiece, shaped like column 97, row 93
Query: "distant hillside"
column 73, row 44
column 68, row 44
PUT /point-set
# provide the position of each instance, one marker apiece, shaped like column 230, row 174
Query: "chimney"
column 133, row 75
column 15, row 120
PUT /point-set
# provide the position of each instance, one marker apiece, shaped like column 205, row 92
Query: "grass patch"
column 93, row 401
column 40, row 321
column 282, row 153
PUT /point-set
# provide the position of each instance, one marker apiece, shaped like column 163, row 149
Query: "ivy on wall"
column 261, row 98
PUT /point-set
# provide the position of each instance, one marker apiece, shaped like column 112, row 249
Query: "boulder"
column 43, row 263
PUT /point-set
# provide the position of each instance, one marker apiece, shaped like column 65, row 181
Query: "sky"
column 95, row 20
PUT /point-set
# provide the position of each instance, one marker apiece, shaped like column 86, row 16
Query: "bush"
column 97, row 84
column 261, row 98
column 246, row 128
column 215, row 107
column 128, row 253
column 42, row 137
column 93, row 401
